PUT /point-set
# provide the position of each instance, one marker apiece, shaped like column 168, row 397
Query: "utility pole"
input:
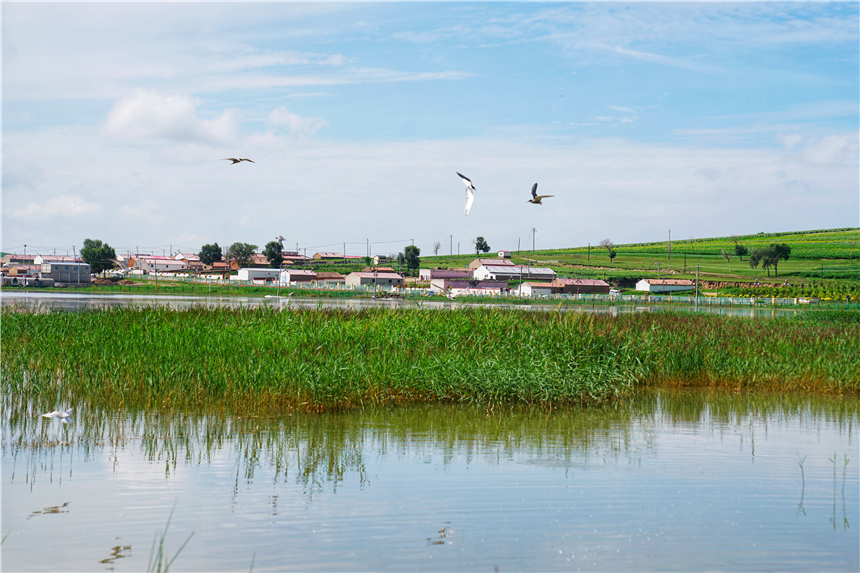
column 452, row 245
column 589, row 252
column 367, row 254
column 518, row 245
column 697, row 286
column 533, row 240
column 458, row 248
column 669, row 248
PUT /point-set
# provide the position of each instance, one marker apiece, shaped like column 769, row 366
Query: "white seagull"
column 470, row 196
column 280, row 240
column 58, row 414
column 535, row 197
column 235, row 161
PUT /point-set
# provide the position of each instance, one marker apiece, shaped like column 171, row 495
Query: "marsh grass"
column 264, row 358
column 158, row 559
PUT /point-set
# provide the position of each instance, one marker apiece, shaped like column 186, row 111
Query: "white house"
column 255, row 274
column 462, row 287
column 151, row 264
column 660, row 286
column 297, row 276
column 534, row 289
column 512, row 272
column 378, row 279
column 496, row 262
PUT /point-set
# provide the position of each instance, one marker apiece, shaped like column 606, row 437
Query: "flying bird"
column 536, row 198
column 470, row 196
column 235, row 161
column 280, row 240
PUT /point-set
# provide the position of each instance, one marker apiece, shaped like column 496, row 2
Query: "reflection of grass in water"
column 158, row 560
column 334, row 359
column 317, row 451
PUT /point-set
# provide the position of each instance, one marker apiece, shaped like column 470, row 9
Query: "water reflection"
column 667, row 480
column 51, row 301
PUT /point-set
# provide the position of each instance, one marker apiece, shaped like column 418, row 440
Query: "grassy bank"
column 330, row 359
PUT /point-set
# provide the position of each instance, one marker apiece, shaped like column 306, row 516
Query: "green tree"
column 612, row 254
column 209, row 254
column 99, row 256
column 756, row 256
column 727, row 255
column 776, row 252
column 412, row 260
column 481, row 245
column 273, row 254
column 741, row 251
column 241, row 253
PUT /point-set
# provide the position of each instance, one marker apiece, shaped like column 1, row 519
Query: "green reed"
column 330, row 359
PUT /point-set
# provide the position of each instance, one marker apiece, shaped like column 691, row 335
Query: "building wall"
column 67, row 272
column 659, row 288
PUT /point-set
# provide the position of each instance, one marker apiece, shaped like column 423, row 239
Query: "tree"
column 608, row 244
column 728, row 256
column 775, row 253
column 209, row 254
column 437, row 246
column 740, row 251
column 412, row 261
column 241, row 253
column 273, row 254
column 481, row 245
column 99, row 256
column 770, row 256
column 756, row 257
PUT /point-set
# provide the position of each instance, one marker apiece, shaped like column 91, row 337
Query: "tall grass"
column 331, row 359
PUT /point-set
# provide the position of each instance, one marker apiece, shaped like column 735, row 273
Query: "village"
column 482, row 277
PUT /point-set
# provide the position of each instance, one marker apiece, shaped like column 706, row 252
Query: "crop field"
column 334, row 359
column 826, row 254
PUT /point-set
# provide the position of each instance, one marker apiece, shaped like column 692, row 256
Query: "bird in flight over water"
column 470, row 195
column 235, row 161
column 536, row 198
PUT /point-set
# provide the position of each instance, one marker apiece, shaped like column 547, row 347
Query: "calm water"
column 669, row 481
column 83, row 301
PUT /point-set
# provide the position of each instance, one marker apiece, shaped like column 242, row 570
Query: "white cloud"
column 834, row 150
column 151, row 115
column 65, row 205
column 295, row 124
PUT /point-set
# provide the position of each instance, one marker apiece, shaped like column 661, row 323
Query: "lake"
column 85, row 301
column 669, row 480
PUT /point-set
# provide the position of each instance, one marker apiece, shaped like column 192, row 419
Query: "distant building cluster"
column 483, row 276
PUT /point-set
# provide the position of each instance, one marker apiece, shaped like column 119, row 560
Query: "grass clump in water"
column 331, row 359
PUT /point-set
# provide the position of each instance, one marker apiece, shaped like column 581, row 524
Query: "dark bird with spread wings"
column 536, row 198
column 235, row 161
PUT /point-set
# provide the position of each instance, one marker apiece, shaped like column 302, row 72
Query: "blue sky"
column 703, row 118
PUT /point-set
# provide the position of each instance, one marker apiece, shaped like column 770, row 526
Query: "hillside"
column 832, row 254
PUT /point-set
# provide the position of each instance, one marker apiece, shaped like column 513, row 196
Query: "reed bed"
column 315, row 360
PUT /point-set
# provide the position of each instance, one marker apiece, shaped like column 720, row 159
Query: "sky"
column 643, row 120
